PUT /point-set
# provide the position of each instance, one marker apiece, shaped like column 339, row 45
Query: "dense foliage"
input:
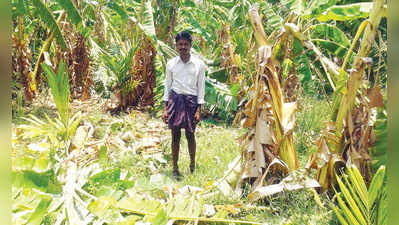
column 265, row 60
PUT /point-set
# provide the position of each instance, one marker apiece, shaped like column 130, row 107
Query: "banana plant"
column 52, row 15
column 120, row 68
column 221, row 99
column 310, row 24
column 65, row 125
column 268, row 116
column 348, row 137
column 47, row 17
column 165, row 18
column 22, row 54
column 149, row 60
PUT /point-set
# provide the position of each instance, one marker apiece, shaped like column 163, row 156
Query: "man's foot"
column 192, row 167
column 176, row 175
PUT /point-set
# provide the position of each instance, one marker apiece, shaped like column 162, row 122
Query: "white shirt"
column 185, row 78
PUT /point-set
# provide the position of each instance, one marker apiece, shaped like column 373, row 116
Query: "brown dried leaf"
column 248, row 122
column 323, row 153
column 312, row 162
column 233, row 209
column 288, row 120
column 375, row 96
column 294, row 181
column 259, row 155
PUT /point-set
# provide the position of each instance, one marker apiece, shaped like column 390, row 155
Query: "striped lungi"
column 181, row 110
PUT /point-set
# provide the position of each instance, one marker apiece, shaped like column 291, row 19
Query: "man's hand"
column 197, row 116
column 165, row 116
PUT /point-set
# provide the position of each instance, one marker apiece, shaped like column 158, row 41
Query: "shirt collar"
column 191, row 60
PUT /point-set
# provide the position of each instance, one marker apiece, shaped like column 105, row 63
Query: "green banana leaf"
column 72, row 11
column 348, row 12
column 47, row 17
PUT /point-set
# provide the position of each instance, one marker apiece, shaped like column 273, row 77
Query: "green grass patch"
column 311, row 118
column 216, row 148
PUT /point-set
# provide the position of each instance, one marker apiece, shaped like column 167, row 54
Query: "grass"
column 310, row 118
column 216, row 148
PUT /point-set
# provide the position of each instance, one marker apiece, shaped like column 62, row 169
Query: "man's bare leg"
column 176, row 134
column 191, row 149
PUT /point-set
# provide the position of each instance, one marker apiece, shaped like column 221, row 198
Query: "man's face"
column 183, row 47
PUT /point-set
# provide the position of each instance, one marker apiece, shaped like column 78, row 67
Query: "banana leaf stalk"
column 45, row 48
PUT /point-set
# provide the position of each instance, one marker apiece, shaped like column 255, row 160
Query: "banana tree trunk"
column 22, row 60
column 359, row 66
column 269, row 142
column 40, row 58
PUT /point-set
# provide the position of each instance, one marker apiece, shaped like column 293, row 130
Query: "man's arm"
column 165, row 107
column 167, row 83
column 201, row 92
column 198, row 109
column 201, row 85
column 167, row 87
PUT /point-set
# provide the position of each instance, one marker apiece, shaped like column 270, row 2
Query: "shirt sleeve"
column 201, row 84
column 167, row 83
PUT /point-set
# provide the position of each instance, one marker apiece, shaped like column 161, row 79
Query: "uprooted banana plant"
column 75, row 188
column 349, row 135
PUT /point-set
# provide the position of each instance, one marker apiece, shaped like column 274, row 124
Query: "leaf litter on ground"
column 141, row 135
column 112, row 141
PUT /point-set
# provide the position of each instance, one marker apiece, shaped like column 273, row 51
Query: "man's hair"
column 184, row 35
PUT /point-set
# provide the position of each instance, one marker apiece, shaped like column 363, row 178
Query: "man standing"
column 183, row 95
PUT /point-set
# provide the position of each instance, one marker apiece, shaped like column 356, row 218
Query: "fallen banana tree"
column 48, row 167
